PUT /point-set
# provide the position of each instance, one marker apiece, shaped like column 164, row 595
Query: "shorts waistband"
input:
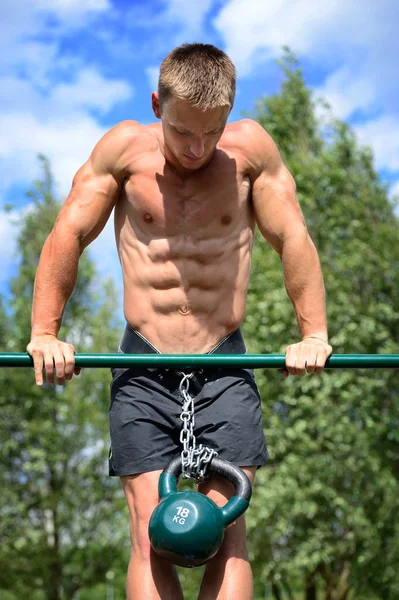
column 135, row 343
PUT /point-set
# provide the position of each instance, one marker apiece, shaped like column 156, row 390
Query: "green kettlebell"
column 187, row 527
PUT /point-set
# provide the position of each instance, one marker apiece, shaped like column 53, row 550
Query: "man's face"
column 190, row 134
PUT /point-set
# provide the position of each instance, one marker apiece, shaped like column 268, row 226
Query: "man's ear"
column 156, row 107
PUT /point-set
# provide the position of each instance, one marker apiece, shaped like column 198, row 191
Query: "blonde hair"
column 199, row 73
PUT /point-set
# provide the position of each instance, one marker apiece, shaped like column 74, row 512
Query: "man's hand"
column 51, row 354
column 308, row 356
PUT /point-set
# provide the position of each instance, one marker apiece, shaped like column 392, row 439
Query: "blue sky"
column 71, row 69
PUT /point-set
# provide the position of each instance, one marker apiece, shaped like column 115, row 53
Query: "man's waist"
column 134, row 342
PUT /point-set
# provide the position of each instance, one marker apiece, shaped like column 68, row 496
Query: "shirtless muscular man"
column 187, row 193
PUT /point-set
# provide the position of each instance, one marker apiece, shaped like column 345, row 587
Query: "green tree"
column 325, row 511
column 63, row 522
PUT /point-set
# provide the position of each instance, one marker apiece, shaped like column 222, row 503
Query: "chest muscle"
column 158, row 206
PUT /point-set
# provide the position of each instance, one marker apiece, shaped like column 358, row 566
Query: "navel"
column 148, row 218
column 226, row 220
column 184, row 309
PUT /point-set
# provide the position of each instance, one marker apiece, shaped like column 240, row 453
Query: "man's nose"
column 197, row 147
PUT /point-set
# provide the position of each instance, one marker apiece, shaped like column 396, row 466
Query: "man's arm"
column 280, row 220
column 87, row 208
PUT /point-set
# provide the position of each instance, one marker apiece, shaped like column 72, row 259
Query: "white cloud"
column 355, row 43
column 33, row 60
column 250, row 26
column 190, row 15
column 168, row 24
column 54, row 120
column 59, row 143
column 347, row 92
column 325, row 31
column 66, row 143
column 382, row 134
column 89, row 90
column 178, row 14
column 56, row 124
column 41, row 113
column 22, row 18
column 30, row 33
column 66, row 8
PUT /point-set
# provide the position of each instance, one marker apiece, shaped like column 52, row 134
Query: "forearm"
column 304, row 283
column 55, row 281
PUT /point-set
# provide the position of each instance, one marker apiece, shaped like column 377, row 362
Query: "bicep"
column 277, row 211
column 96, row 186
column 89, row 204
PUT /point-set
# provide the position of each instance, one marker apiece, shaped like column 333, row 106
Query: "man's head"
column 196, row 92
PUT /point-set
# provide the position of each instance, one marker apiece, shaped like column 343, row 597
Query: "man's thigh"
column 220, row 491
column 141, row 492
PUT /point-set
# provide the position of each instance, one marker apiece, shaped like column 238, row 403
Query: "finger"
column 311, row 361
column 69, row 357
column 308, row 359
column 59, row 362
column 76, row 370
column 300, row 362
column 38, row 367
column 284, row 372
column 290, row 361
column 49, row 366
column 300, row 367
column 319, row 364
column 310, row 367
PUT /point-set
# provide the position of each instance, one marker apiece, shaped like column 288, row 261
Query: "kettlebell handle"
column 237, row 503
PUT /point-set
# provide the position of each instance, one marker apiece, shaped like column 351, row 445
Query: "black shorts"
column 146, row 404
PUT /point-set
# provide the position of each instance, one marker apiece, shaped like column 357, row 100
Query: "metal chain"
column 195, row 461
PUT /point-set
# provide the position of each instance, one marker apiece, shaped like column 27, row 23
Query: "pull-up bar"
column 186, row 361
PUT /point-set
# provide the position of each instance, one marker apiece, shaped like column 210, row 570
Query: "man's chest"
column 206, row 205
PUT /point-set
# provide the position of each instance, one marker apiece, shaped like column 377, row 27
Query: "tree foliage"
column 325, row 510
column 63, row 522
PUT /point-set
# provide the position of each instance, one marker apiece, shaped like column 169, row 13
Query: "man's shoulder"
column 248, row 138
column 258, row 148
column 246, row 133
column 246, row 124
column 121, row 143
column 129, row 131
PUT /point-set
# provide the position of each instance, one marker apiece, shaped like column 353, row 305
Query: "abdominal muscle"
column 185, row 246
column 185, row 301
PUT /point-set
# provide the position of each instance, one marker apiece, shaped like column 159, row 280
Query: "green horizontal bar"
column 184, row 361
